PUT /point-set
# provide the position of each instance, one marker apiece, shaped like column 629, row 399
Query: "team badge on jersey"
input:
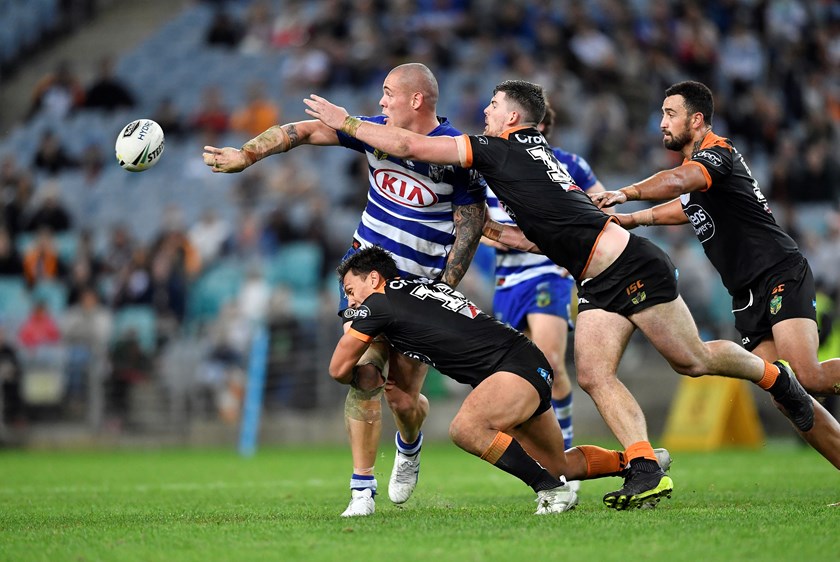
column 775, row 304
column 379, row 155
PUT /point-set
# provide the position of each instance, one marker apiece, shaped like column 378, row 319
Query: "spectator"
column 133, row 283
column 41, row 262
column 86, row 329
column 10, row 378
column 120, row 249
column 209, row 235
column 51, row 156
column 57, row 94
column 10, row 261
column 258, row 114
column 130, row 365
column 50, row 213
column 39, row 329
column 107, row 92
column 169, row 119
column 224, row 31
column 15, row 210
column 212, row 115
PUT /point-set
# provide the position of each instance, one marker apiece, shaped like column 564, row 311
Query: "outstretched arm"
column 392, row 140
column 666, row 213
column 276, row 139
column 663, row 185
column 469, row 220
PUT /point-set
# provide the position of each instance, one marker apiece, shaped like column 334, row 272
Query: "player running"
column 772, row 287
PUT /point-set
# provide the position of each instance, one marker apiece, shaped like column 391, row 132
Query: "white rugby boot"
column 556, row 500
column 361, row 503
column 404, row 477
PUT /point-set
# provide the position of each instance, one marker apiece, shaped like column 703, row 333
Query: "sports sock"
column 563, row 412
column 409, row 449
column 506, row 453
column 640, row 449
column 601, row 462
column 363, row 482
column 771, row 373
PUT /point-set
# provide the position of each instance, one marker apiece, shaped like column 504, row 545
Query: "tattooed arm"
column 469, row 220
column 276, row 139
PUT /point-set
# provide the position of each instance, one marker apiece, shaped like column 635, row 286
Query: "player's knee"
column 364, row 405
column 367, row 377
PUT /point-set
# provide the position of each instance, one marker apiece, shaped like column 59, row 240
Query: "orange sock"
column 640, row 449
column 601, row 462
column 771, row 373
column 497, row 448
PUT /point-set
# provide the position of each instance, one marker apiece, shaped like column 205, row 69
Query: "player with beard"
column 772, row 287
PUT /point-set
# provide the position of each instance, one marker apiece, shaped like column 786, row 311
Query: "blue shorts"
column 546, row 294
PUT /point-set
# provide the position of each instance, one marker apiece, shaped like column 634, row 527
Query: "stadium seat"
column 53, row 294
column 296, row 265
column 142, row 320
column 15, row 302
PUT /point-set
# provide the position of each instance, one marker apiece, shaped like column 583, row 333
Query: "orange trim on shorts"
column 640, row 449
column 595, row 245
column 771, row 373
column 497, row 448
column 360, row 336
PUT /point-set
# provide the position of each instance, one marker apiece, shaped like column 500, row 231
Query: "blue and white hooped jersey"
column 514, row 267
column 410, row 204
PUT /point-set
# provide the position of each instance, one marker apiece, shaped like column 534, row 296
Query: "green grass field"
column 283, row 504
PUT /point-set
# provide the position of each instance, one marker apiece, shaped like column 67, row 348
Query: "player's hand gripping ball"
column 139, row 145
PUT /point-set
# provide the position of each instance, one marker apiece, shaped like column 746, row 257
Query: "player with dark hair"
column 533, row 294
column 772, row 287
column 624, row 281
column 506, row 419
column 430, row 217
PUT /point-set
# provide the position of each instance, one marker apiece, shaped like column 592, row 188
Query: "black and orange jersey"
column 538, row 193
column 731, row 217
column 432, row 322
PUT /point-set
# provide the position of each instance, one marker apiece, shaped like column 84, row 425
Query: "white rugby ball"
column 139, row 145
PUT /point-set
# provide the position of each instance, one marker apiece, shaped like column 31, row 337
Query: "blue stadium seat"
column 15, row 302
column 51, row 293
column 296, row 265
column 142, row 320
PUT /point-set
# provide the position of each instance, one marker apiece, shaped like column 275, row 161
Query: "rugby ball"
column 139, row 145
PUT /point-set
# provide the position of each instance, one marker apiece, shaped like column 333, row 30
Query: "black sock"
column 517, row 462
column 642, row 464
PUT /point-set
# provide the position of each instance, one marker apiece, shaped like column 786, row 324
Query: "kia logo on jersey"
column 404, row 189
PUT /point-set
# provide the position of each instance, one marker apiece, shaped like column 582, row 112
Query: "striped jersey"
column 410, row 204
column 514, row 267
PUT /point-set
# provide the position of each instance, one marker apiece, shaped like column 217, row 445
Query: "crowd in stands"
column 773, row 65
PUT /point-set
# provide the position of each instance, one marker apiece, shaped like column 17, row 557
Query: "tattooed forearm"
column 292, row 132
column 469, row 221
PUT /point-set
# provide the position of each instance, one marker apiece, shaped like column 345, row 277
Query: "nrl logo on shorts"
column 639, row 298
column 776, row 304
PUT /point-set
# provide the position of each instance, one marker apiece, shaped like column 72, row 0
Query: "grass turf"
column 283, row 504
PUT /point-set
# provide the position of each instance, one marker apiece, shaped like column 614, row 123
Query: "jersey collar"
column 506, row 134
